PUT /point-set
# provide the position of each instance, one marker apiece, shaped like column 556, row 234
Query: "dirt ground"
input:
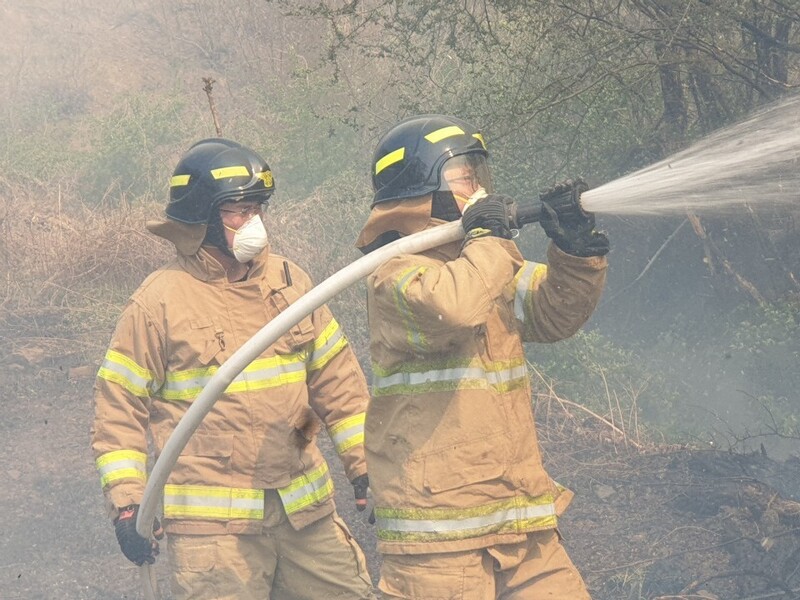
column 655, row 523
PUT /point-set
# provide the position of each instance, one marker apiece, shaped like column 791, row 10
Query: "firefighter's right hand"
column 488, row 216
column 136, row 549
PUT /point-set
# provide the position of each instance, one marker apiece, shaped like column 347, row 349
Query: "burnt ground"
column 652, row 523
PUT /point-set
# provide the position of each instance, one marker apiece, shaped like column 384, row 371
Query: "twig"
column 650, row 262
column 598, row 417
column 208, row 88
column 712, row 251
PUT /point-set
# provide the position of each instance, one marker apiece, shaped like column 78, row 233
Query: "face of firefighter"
column 464, row 175
column 245, row 233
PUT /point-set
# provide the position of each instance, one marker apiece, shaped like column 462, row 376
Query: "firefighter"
column 464, row 508
column 248, row 509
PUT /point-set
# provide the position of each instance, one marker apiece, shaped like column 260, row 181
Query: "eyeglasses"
column 245, row 212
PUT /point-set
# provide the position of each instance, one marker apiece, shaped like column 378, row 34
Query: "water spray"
column 755, row 161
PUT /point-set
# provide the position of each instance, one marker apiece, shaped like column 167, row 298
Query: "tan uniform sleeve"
column 440, row 304
column 338, row 391
column 132, row 369
column 551, row 302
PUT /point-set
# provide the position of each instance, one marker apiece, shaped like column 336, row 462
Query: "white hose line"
column 252, row 349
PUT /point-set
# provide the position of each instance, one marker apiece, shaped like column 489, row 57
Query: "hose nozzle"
column 563, row 198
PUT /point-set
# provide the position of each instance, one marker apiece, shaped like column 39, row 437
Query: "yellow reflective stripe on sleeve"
column 390, row 159
column 410, row 379
column 348, row 432
column 262, row 373
column 179, row 180
column 444, row 133
column 124, row 371
column 207, row 502
column 327, row 345
column 525, row 279
column 121, row 464
column 414, row 335
column 516, row 515
column 310, row 488
column 225, row 172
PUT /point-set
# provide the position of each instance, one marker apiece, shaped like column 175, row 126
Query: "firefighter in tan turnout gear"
column 248, row 509
column 464, row 508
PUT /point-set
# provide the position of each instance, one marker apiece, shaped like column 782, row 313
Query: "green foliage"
column 128, row 147
column 304, row 125
column 590, row 369
column 769, row 337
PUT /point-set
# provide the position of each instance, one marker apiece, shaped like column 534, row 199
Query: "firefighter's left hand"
column 360, row 487
column 565, row 222
column 136, row 549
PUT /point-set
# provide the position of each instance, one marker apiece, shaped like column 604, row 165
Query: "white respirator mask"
column 250, row 239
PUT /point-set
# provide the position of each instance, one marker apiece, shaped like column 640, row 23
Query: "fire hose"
column 268, row 335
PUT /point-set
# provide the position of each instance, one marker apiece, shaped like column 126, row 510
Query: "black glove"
column 566, row 223
column 360, row 487
column 136, row 549
column 489, row 216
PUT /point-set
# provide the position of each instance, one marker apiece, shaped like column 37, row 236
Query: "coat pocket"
column 210, row 339
column 300, row 334
column 205, row 457
column 466, row 463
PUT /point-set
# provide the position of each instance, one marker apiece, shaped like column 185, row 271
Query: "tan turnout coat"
column 184, row 321
column 451, row 443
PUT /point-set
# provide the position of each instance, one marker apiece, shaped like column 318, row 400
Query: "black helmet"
column 214, row 171
column 408, row 160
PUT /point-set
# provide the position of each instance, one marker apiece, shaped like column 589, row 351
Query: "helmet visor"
column 465, row 174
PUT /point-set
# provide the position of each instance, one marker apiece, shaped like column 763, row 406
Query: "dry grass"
column 67, row 268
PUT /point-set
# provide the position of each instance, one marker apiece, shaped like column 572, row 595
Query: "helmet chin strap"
column 215, row 235
column 444, row 206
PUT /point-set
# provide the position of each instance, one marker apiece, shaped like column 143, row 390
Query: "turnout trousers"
column 537, row 569
column 321, row 560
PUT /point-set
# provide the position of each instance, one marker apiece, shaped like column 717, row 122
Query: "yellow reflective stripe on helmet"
column 260, row 374
column 501, row 376
column 121, row 464
column 327, row 345
column 479, row 137
column 266, row 177
column 225, row 172
column 443, row 524
column 310, row 488
column 416, row 338
column 179, row 180
column 124, row 371
column 524, row 281
column 444, row 133
column 389, row 159
column 348, row 432
column 207, row 502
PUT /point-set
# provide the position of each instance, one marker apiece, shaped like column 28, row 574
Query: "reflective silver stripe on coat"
column 468, row 376
column 348, row 432
column 121, row 464
column 123, row 370
column 527, row 275
column 186, row 385
column 211, row 502
column 467, row 524
column 326, row 346
column 310, row 488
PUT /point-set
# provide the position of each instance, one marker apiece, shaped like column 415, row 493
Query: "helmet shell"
column 214, row 171
column 408, row 159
